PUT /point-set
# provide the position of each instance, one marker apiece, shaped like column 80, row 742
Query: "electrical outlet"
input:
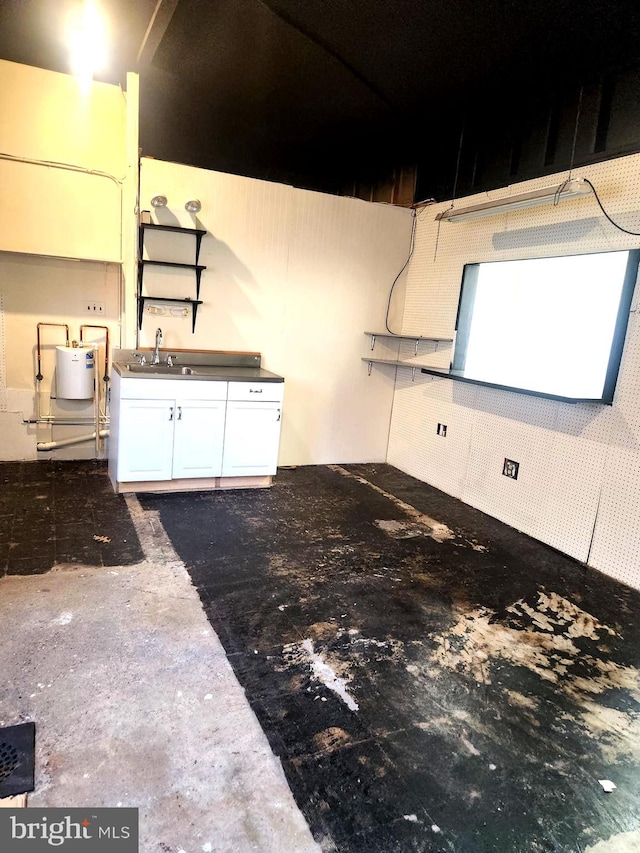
column 442, row 430
column 510, row 469
column 96, row 309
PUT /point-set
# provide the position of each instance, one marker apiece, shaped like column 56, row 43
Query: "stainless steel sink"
column 163, row 369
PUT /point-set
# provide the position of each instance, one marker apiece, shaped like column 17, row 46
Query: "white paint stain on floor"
column 325, row 674
column 321, row 670
column 468, row 745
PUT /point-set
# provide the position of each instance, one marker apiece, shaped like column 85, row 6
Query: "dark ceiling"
column 321, row 92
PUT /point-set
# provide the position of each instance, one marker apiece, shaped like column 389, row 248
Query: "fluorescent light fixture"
column 194, row 205
column 159, row 201
column 521, row 201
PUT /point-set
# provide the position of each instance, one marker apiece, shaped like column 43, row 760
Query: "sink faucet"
column 156, row 353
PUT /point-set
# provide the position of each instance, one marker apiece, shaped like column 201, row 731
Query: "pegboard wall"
column 578, row 487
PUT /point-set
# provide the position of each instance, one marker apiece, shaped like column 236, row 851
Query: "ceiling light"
column 521, row 201
column 159, row 201
column 193, row 206
column 88, row 41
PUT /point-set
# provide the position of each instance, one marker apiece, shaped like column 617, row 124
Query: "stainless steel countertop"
column 200, row 372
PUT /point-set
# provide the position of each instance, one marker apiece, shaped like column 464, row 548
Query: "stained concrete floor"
column 431, row 679
column 111, row 654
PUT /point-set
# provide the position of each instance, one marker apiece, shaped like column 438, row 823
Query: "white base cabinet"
column 252, row 429
column 251, row 439
column 172, row 429
column 146, row 449
column 198, row 438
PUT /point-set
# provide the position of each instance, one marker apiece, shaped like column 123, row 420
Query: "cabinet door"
column 145, row 440
column 199, row 433
column 251, row 439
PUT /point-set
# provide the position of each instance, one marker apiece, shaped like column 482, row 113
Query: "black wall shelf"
column 176, row 229
column 196, row 267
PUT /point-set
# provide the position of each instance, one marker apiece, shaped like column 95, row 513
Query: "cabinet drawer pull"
column 255, row 390
column 179, row 413
column 279, row 414
column 170, row 413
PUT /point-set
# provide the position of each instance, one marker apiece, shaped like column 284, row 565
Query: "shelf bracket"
column 369, row 370
column 416, row 347
column 413, row 374
column 373, row 342
column 198, row 245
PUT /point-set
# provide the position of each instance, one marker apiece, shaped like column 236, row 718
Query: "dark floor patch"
column 17, row 759
column 462, row 688
column 62, row 512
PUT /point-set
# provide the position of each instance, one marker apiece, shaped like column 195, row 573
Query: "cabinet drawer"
column 271, row 392
column 183, row 389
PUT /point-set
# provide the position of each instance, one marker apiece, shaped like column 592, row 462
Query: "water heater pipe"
column 105, row 378
column 39, row 348
column 66, row 442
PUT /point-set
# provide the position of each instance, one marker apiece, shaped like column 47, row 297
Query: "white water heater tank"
column 75, row 372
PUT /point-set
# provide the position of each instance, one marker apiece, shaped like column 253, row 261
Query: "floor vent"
column 17, row 759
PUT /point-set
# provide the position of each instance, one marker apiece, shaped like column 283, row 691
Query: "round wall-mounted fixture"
column 159, row 201
column 193, row 206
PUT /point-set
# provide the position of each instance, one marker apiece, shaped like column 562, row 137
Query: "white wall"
column 47, row 214
column 579, row 480
column 49, row 117
column 298, row 276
